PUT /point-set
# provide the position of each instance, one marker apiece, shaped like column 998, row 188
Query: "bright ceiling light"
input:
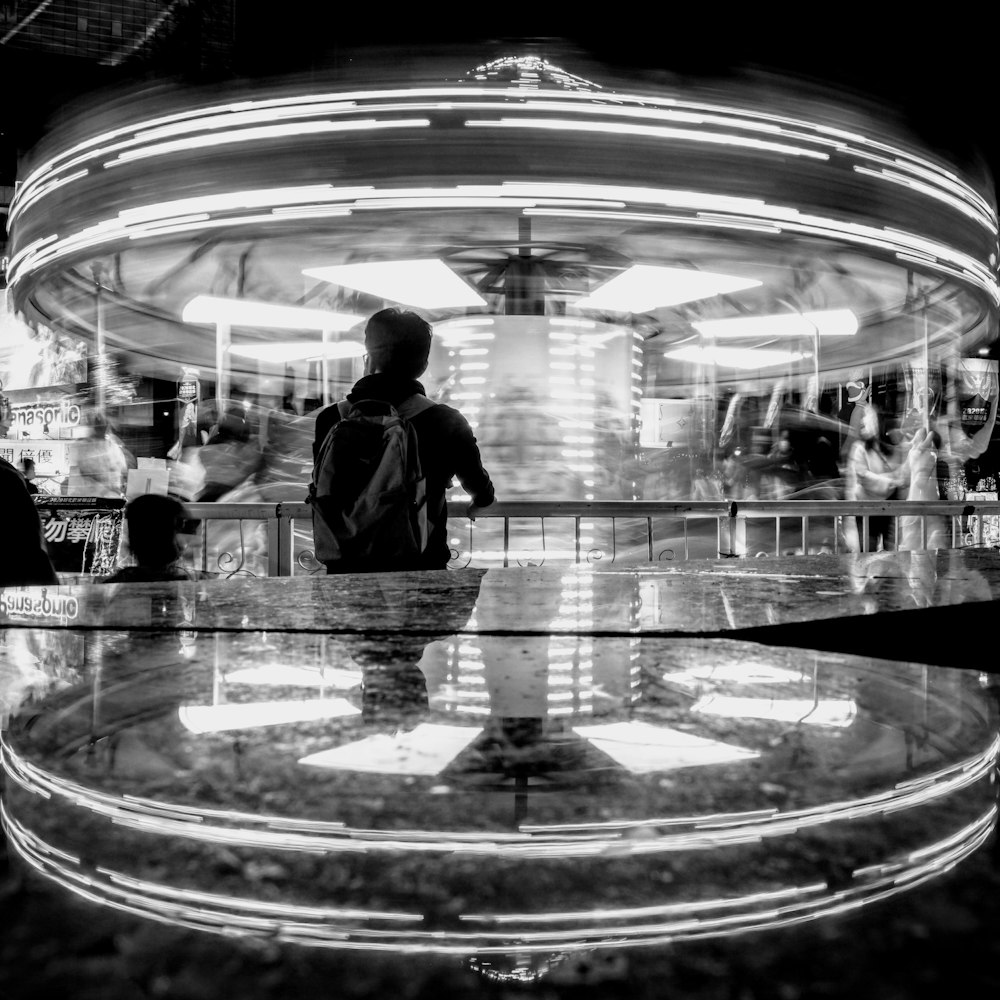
column 299, row 350
column 734, row 357
column 214, row 309
column 828, row 323
column 646, row 286
column 427, row 284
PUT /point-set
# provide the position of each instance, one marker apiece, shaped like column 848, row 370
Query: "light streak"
column 586, row 839
column 352, row 928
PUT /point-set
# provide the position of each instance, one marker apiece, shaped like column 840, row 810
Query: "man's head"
column 153, row 524
column 398, row 343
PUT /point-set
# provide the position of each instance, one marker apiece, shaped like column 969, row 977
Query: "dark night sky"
column 933, row 77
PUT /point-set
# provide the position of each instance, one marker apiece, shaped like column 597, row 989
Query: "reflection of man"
column 398, row 612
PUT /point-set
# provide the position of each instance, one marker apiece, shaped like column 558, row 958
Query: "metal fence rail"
column 275, row 539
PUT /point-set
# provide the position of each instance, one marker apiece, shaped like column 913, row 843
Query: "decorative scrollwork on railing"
column 455, row 554
column 307, row 560
column 597, row 554
column 665, row 555
column 225, row 559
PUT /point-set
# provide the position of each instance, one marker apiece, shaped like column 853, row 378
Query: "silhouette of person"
column 154, row 524
column 24, row 560
column 398, row 345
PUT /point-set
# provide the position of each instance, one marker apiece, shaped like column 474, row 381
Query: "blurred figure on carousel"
column 28, row 471
column 100, row 463
column 870, row 477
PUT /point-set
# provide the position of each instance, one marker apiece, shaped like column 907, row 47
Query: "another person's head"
column 154, row 522
column 6, row 415
column 398, row 342
column 28, row 468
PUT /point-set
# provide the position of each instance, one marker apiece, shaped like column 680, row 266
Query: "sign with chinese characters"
column 51, row 458
column 83, row 534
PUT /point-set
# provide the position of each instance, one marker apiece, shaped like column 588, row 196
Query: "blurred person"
column 870, row 477
column 101, row 463
column 28, row 471
column 398, row 349
column 155, row 524
column 920, row 479
column 230, row 453
column 24, row 561
column 783, row 474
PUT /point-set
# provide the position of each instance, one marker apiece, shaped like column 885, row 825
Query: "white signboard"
column 51, row 458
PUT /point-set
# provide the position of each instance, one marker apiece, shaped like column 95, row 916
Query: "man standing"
column 398, row 347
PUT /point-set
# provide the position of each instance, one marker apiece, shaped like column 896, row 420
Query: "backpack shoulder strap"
column 413, row 405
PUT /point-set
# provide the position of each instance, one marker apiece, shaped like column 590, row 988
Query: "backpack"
column 368, row 493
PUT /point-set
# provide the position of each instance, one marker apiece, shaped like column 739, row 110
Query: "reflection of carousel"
column 701, row 789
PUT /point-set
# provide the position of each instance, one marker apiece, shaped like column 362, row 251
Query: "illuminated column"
column 223, row 339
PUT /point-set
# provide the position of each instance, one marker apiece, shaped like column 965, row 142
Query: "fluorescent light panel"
column 646, row 286
column 270, row 315
column 829, row 323
column 734, row 357
column 299, row 350
column 426, row 284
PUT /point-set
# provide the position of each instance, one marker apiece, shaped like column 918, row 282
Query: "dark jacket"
column 447, row 448
column 24, row 560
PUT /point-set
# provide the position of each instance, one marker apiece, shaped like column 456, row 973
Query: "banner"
column 83, row 534
column 977, row 390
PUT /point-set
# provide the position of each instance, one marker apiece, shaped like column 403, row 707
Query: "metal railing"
column 275, row 539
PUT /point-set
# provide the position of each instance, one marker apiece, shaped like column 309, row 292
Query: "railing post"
column 280, row 538
column 736, row 528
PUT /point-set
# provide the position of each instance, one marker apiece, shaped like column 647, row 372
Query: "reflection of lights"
column 644, row 287
column 299, row 350
column 251, row 715
column 730, row 673
column 426, row 750
column 584, row 839
column 642, row 748
column 429, row 284
column 493, row 933
column 283, row 674
column 827, row 323
column 734, row 357
column 243, row 312
column 821, row 712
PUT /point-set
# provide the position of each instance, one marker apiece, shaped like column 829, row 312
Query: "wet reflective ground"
column 419, row 814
